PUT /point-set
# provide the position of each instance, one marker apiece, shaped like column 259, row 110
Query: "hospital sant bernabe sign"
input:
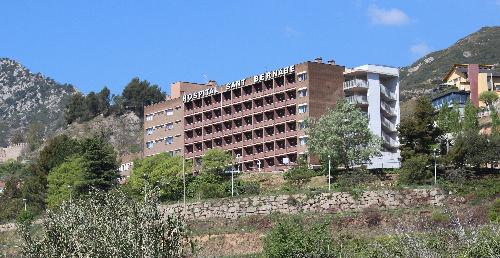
column 237, row 84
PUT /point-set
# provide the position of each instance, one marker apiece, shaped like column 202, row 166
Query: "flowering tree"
column 107, row 225
column 343, row 134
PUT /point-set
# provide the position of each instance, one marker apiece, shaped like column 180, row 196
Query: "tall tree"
column 63, row 180
column 418, row 133
column 488, row 97
column 92, row 104
column 471, row 121
column 343, row 134
column 104, row 99
column 216, row 161
column 75, row 109
column 138, row 94
column 101, row 167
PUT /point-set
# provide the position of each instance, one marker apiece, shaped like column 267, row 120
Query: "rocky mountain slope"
column 481, row 47
column 124, row 132
column 26, row 98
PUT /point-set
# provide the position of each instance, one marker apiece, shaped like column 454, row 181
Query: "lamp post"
column 24, row 200
column 329, row 172
column 69, row 190
column 184, row 182
column 435, row 167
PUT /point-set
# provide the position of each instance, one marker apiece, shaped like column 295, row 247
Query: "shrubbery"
column 106, row 225
column 415, row 170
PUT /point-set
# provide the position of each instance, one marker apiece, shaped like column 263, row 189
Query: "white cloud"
column 420, row 49
column 391, row 16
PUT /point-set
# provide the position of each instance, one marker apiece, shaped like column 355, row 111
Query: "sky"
column 92, row 44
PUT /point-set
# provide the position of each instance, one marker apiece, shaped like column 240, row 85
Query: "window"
column 169, row 126
column 302, row 108
column 498, row 87
column 303, row 92
column 302, row 76
column 150, row 131
column 169, row 140
column 149, row 117
column 303, row 140
column 149, row 145
column 169, row 112
column 302, row 124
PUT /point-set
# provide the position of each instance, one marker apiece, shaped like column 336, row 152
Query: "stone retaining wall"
column 323, row 203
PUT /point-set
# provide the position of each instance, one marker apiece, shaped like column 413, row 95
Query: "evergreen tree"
column 35, row 135
column 92, row 104
column 418, row 133
column 75, row 109
column 471, row 121
column 101, row 167
column 138, row 94
column 104, row 99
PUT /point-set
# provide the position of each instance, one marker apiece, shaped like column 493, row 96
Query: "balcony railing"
column 389, row 141
column 387, row 93
column 390, row 126
column 357, row 99
column 356, row 83
column 388, row 109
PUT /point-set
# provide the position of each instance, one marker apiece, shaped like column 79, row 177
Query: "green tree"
column 75, row 109
column 101, row 171
column 343, row 134
column 104, row 99
column 488, row 97
column 35, row 135
column 64, row 179
column 415, row 170
column 471, row 122
column 55, row 152
column 138, row 94
column 163, row 171
column 418, row 133
column 216, row 161
column 92, row 106
column 448, row 120
column 300, row 174
column 472, row 149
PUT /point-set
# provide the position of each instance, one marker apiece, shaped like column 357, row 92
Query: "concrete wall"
column 291, row 204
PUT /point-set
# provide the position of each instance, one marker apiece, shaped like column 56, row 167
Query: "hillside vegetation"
column 481, row 47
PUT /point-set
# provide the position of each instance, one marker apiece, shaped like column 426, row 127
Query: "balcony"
column 389, row 142
column 387, row 109
column 355, row 84
column 279, row 104
column 388, row 125
column 357, row 100
column 386, row 93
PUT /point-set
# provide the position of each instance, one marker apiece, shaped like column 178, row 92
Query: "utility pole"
column 184, row 181
column 435, row 167
column 329, row 173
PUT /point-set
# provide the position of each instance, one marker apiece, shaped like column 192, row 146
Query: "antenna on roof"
column 205, row 77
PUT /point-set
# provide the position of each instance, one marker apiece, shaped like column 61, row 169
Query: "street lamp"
column 435, row 167
column 69, row 190
column 329, row 172
column 24, row 200
column 184, row 181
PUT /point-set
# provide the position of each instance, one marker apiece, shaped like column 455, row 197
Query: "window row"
column 214, row 101
column 281, row 144
column 168, row 112
column 167, row 141
column 250, row 116
column 248, row 135
column 167, row 126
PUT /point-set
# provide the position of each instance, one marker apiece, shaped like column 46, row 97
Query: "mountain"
column 27, row 98
column 481, row 47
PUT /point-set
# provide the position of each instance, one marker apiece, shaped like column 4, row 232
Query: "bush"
column 247, row 188
column 208, row 185
column 25, row 216
column 106, row 225
column 414, row 170
column 290, row 238
column 299, row 175
column 354, row 178
column 494, row 211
